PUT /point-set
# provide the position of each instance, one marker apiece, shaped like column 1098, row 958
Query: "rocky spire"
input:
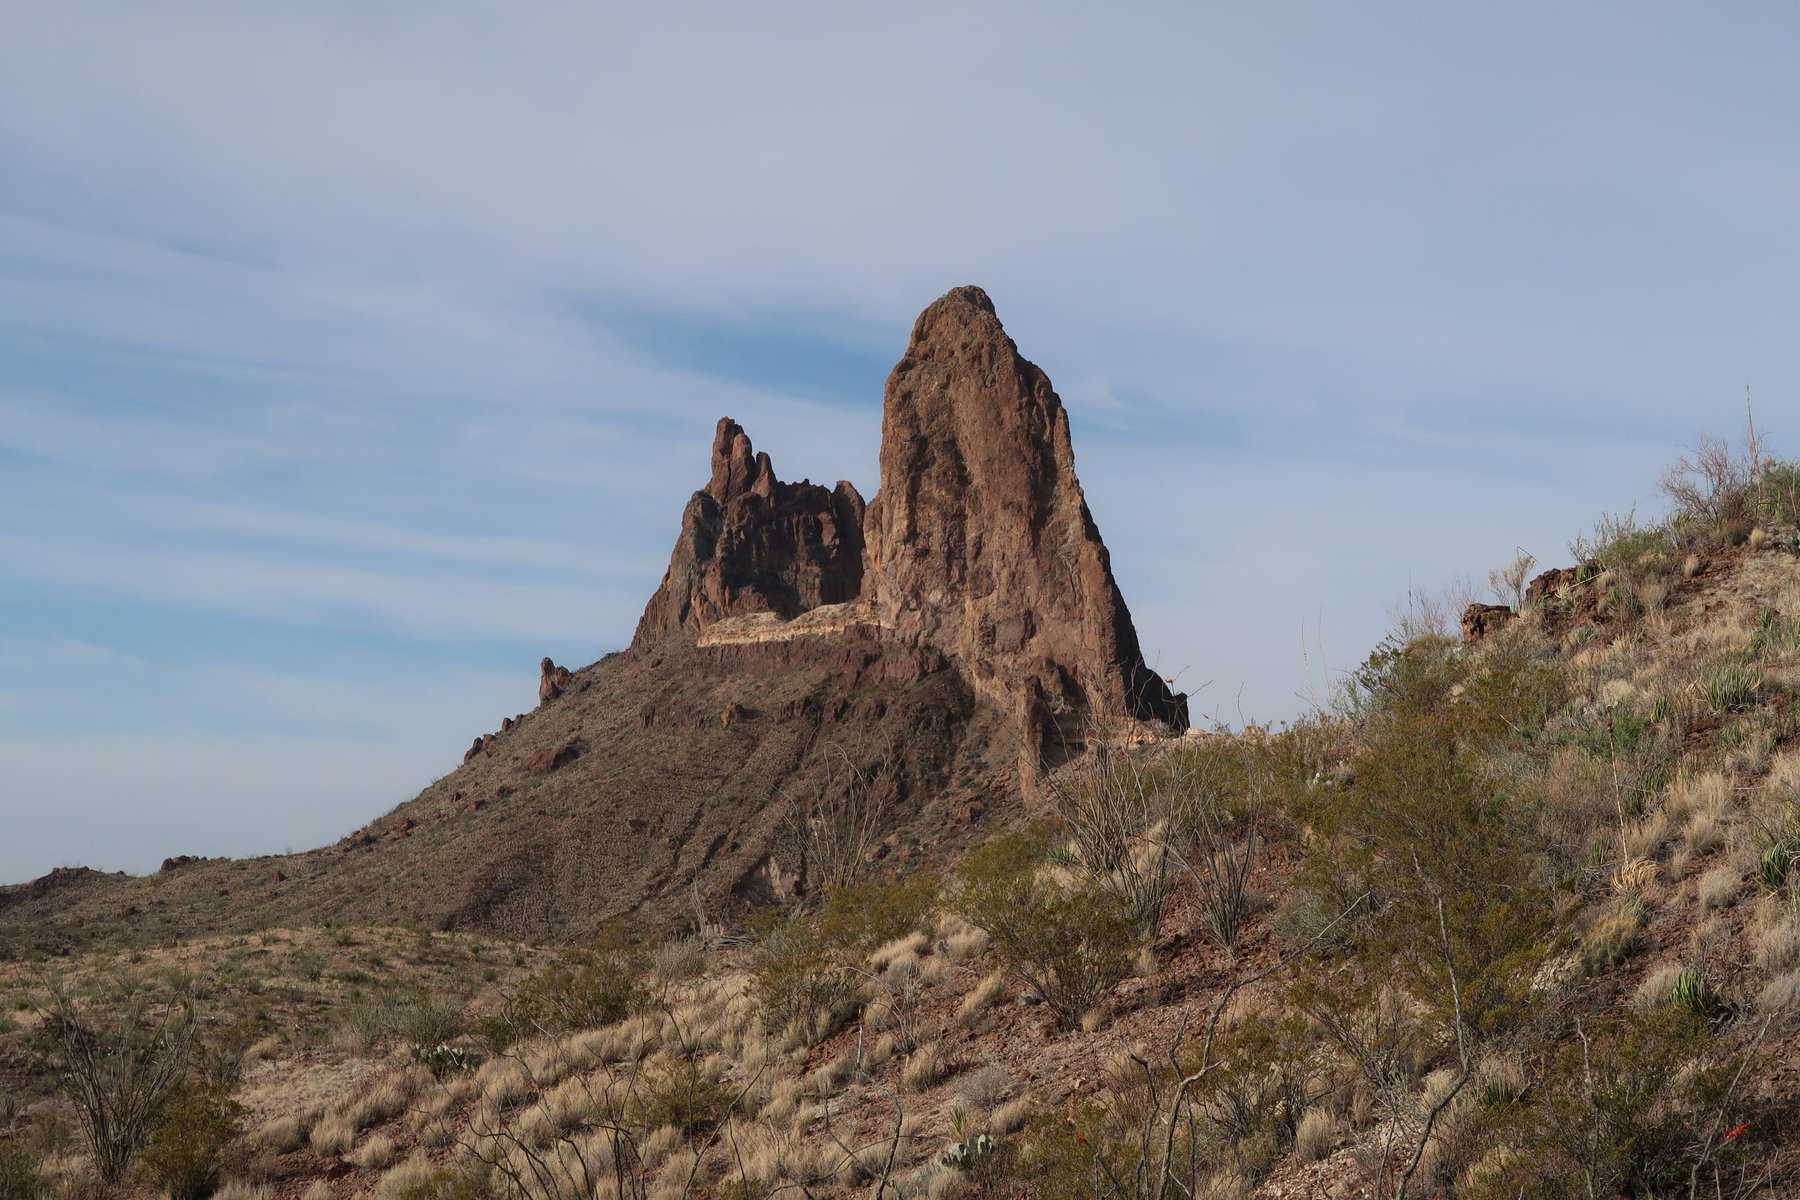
column 980, row 541
column 750, row 543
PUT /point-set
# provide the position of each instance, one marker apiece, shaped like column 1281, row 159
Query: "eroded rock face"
column 552, row 681
column 1479, row 620
column 750, row 543
column 980, row 541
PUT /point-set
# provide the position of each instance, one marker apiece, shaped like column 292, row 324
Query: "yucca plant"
column 1733, row 688
column 1694, row 995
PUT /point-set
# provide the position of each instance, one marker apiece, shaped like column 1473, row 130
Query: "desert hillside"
column 1518, row 914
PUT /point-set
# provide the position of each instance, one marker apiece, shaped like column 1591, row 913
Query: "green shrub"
column 1070, row 944
column 800, row 975
column 421, row 1019
column 807, row 966
column 584, row 989
column 19, row 1177
column 682, row 1095
column 189, row 1147
column 1775, row 496
column 1626, row 1108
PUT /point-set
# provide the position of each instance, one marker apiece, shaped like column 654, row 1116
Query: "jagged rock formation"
column 750, row 543
column 980, row 540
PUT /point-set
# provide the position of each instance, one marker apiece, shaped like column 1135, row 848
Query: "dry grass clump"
column 1613, row 938
column 1780, row 997
column 924, row 1067
column 982, row 997
column 375, row 1153
column 985, row 1087
column 1777, row 944
column 1720, row 886
column 411, row 1178
column 1317, row 1134
column 502, row 1083
column 333, row 1135
column 318, row 1189
column 673, row 962
column 1645, row 838
column 287, row 1133
column 901, row 950
column 1656, row 988
column 1009, row 1117
column 239, row 1189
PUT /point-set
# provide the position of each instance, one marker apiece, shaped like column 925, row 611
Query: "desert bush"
column 1507, row 581
column 1117, row 807
column 19, row 1175
column 1634, row 1107
column 422, row 1019
column 683, row 1095
column 1712, row 485
column 1070, row 944
column 118, row 1071
column 807, row 966
column 584, row 989
column 1453, row 868
column 193, row 1134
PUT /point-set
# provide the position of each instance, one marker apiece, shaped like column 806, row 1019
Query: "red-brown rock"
column 553, row 680
column 1479, row 620
column 1549, row 586
column 750, row 543
column 980, row 541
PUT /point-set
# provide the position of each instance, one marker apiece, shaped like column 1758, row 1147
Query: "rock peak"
column 980, row 540
column 978, row 544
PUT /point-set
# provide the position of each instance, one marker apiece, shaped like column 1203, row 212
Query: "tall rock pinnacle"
column 980, row 541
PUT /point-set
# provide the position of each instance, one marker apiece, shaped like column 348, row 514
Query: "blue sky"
column 354, row 356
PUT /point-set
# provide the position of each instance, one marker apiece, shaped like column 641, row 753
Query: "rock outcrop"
column 750, row 543
column 980, row 541
column 552, row 682
column 1479, row 620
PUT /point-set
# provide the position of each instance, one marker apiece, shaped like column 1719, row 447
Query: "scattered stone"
column 552, row 757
